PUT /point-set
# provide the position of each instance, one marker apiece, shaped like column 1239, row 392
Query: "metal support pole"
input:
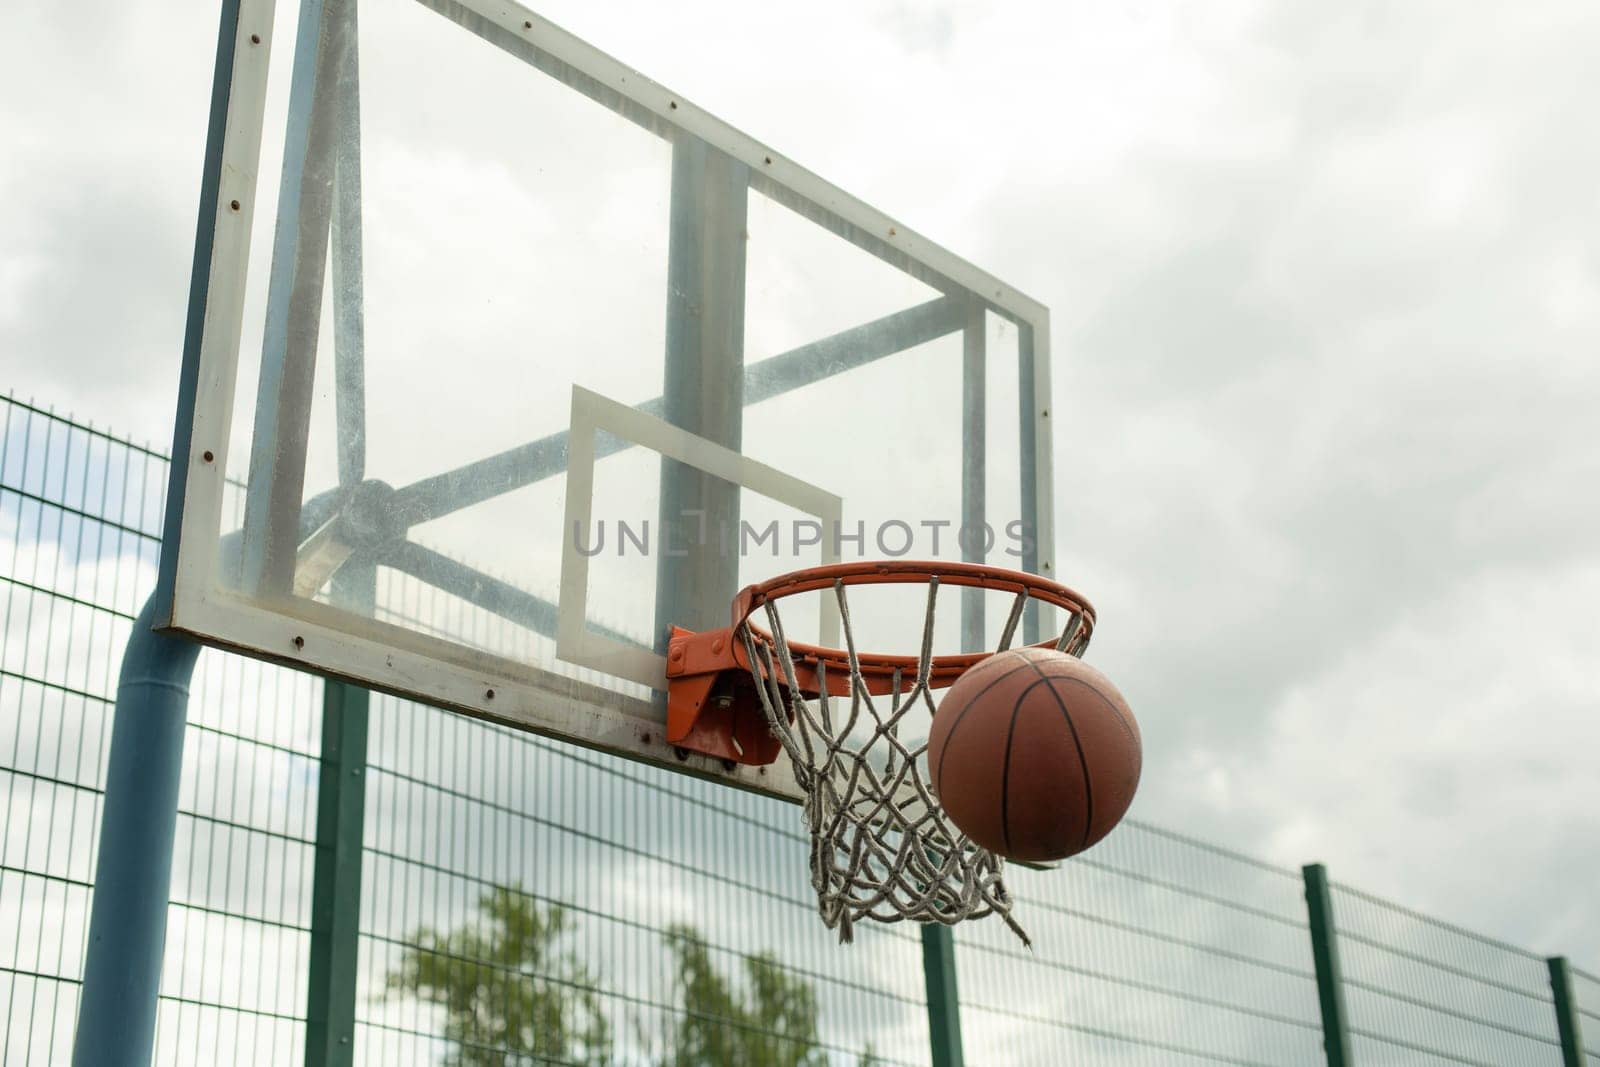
column 139, row 812
column 974, row 467
column 349, row 283
column 1566, row 1012
column 294, row 298
column 938, row 941
column 704, row 387
column 139, row 815
column 1034, row 452
column 1325, row 955
column 342, row 781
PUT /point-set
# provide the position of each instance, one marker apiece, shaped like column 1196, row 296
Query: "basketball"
column 1034, row 754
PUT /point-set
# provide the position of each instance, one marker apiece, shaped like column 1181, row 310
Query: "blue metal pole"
column 128, row 921
column 139, row 812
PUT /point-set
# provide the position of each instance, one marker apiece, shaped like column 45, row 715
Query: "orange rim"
column 944, row 669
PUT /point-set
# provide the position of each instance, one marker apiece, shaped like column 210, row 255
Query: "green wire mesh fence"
column 523, row 901
column 1151, row 949
column 1421, row 991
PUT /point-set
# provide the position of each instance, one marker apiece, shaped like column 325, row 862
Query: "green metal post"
column 1325, row 954
column 336, row 877
column 944, row 1007
column 1566, row 1012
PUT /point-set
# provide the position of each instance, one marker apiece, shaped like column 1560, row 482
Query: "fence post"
column 944, row 1007
column 1325, row 954
column 1566, row 1012
column 336, row 877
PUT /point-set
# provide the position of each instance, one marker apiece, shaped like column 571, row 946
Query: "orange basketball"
column 1034, row 754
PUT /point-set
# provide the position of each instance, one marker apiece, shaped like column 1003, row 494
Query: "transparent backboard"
column 512, row 359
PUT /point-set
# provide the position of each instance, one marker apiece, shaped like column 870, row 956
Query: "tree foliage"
column 771, row 1021
column 514, row 993
column 511, row 992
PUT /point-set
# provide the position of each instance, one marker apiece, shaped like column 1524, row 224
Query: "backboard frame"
column 389, row 658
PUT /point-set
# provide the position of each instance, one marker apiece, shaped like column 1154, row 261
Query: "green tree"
column 772, row 1022
column 512, row 994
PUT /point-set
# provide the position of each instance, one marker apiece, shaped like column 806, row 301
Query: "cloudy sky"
column 1324, row 291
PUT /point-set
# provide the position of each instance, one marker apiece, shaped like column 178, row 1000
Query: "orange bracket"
column 712, row 704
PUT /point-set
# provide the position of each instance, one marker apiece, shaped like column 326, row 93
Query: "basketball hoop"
column 882, row 848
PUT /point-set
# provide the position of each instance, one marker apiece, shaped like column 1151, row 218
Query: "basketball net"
column 881, row 846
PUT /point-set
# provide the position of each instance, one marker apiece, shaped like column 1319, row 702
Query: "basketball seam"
column 1077, row 743
column 1005, row 769
column 1110, row 705
column 1122, row 720
column 938, row 779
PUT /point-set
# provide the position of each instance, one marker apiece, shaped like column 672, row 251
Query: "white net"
column 881, row 846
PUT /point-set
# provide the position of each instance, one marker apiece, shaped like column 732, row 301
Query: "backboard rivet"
column 207, row 456
column 673, row 104
column 255, row 38
column 681, row 753
column 892, row 231
column 644, row 739
column 527, row 25
column 234, row 204
column 299, row 642
column 769, row 161
column 489, row 695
